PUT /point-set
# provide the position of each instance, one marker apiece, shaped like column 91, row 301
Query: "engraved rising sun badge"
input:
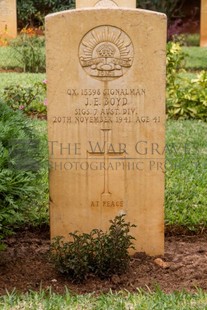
column 106, row 53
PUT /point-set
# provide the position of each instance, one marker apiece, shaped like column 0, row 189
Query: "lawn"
column 112, row 301
column 11, row 78
column 186, row 174
column 8, row 59
column 196, row 58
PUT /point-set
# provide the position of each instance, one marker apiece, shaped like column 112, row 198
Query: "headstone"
column 8, row 18
column 106, row 121
column 203, row 31
column 105, row 3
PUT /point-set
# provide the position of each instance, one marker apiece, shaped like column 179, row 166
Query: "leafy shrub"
column 30, row 52
column 186, row 98
column 21, row 173
column 175, row 61
column 29, row 99
column 103, row 254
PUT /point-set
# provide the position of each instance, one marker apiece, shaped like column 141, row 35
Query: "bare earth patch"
column 25, row 266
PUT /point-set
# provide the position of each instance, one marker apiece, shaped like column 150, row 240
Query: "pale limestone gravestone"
column 8, row 18
column 106, row 121
column 203, row 28
column 105, row 3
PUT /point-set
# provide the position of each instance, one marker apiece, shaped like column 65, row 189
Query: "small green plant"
column 189, row 98
column 30, row 52
column 30, row 99
column 102, row 254
column 186, row 98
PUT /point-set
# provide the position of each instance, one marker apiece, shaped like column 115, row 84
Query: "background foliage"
column 33, row 12
column 172, row 8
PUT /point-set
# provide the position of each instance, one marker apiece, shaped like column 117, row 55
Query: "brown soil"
column 25, row 265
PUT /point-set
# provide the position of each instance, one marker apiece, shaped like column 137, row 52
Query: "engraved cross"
column 106, row 152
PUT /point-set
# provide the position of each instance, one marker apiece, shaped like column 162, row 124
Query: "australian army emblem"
column 106, row 53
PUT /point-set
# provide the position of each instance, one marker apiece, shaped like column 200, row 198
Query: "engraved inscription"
column 106, row 3
column 109, row 204
column 106, row 53
column 108, row 116
column 107, row 105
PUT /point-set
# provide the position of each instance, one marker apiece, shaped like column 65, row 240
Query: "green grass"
column 196, row 59
column 186, row 174
column 187, row 39
column 8, row 58
column 187, row 75
column 117, row 301
column 192, row 39
column 10, row 78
